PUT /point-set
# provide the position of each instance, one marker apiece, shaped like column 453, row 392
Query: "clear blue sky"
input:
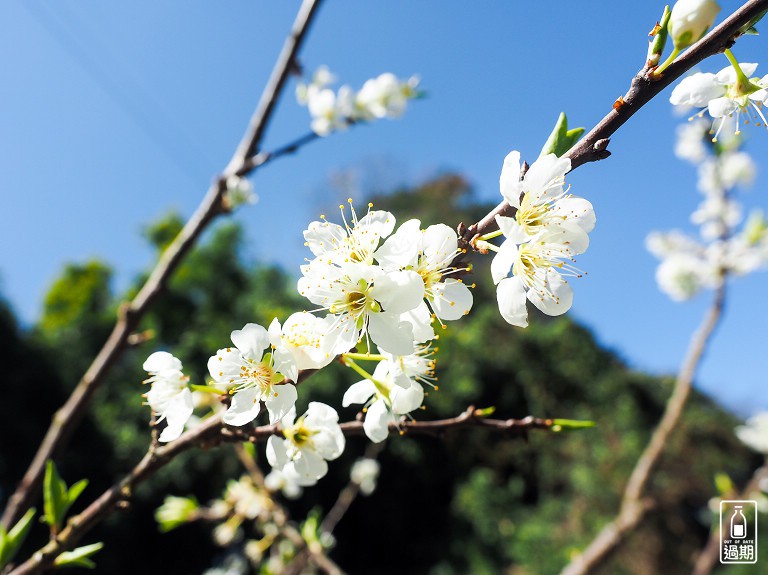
column 114, row 113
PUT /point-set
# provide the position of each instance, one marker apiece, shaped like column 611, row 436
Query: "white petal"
column 696, row 90
column 511, row 229
column 377, row 420
column 329, row 442
column 359, row 392
column 509, row 181
column 510, row 294
column 245, row 407
column 452, row 299
column 224, row 367
column 402, row 248
column 277, row 455
column 320, row 414
column 309, row 465
column 728, row 74
column 398, row 292
column 285, row 363
column 421, row 320
column 275, row 332
column 560, row 289
column 406, row 400
column 720, row 107
column 578, row 210
column 160, row 361
column 542, row 172
column 252, row 340
column 323, row 237
column 176, row 415
column 391, row 334
column 280, row 401
column 503, row 260
column 439, row 243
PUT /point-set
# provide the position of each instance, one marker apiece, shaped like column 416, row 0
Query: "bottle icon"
column 738, row 523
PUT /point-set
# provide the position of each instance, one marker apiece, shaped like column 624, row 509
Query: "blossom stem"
column 379, row 387
column 667, row 62
column 207, row 389
column 743, row 85
column 490, row 235
column 364, row 356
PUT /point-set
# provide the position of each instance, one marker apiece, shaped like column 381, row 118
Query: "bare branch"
column 69, row 415
column 643, row 88
column 634, row 505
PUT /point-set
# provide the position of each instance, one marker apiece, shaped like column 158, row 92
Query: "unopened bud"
column 690, row 20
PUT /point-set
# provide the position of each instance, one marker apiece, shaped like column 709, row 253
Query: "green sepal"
column 745, row 29
column 571, row 424
column 11, row 541
column 79, row 557
column 660, row 39
column 751, row 31
column 561, row 139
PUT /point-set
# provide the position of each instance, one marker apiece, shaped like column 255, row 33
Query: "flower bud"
column 690, row 20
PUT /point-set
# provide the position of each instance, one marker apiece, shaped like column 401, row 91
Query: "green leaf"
column 569, row 424
column 54, row 497
column 74, row 492
column 78, row 557
column 485, row 412
column 561, row 139
column 660, row 39
column 723, row 484
column 12, row 540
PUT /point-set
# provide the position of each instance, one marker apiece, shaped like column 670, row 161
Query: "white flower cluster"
column 386, row 289
column 382, row 97
column 729, row 93
column 755, row 433
column 550, row 227
column 690, row 264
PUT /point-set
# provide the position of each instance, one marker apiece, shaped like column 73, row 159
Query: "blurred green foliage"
column 472, row 501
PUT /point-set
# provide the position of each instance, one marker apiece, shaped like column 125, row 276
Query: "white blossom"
column 690, row 144
column 755, row 433
column 724, row 95
column 169, row 395
column 276, row 480
column 385, row 96
column 384, row 398
column 365, row 472
column 430, row 253
column 253, row 376
column 308, row 443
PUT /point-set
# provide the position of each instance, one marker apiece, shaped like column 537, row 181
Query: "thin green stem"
column 379, row 386
column 490, row 235
column 207, row 389
column 364, row 356
column 667, row 62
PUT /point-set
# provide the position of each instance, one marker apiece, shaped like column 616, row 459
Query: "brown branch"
column 643, row 88
column 708, row 557
column 69, row 415
column 212, row 432
column 634, row 506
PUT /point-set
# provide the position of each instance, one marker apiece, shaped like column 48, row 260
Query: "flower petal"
column 359, row 392
column 277, row 454
column 398, row 292
column 510, row 294
column 377, row 420
column 509, row 181
column 390, row 333
column 503, row 260
column 246, row 405
column 451, row 299
column 280, row 401
column 402, row 248
column 562, row 295
column 252, row 340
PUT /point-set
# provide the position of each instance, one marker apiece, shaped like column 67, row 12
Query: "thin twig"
column 643, row 88
column 69, row 415
column 280, row 517
column 212, row 432
column 634, row 505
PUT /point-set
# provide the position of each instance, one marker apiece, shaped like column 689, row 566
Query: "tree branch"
column 212, row 432
column 633, row 505
column 69, row 415
column 643, row 88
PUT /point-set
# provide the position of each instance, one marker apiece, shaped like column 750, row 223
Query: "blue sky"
column 115, row 113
